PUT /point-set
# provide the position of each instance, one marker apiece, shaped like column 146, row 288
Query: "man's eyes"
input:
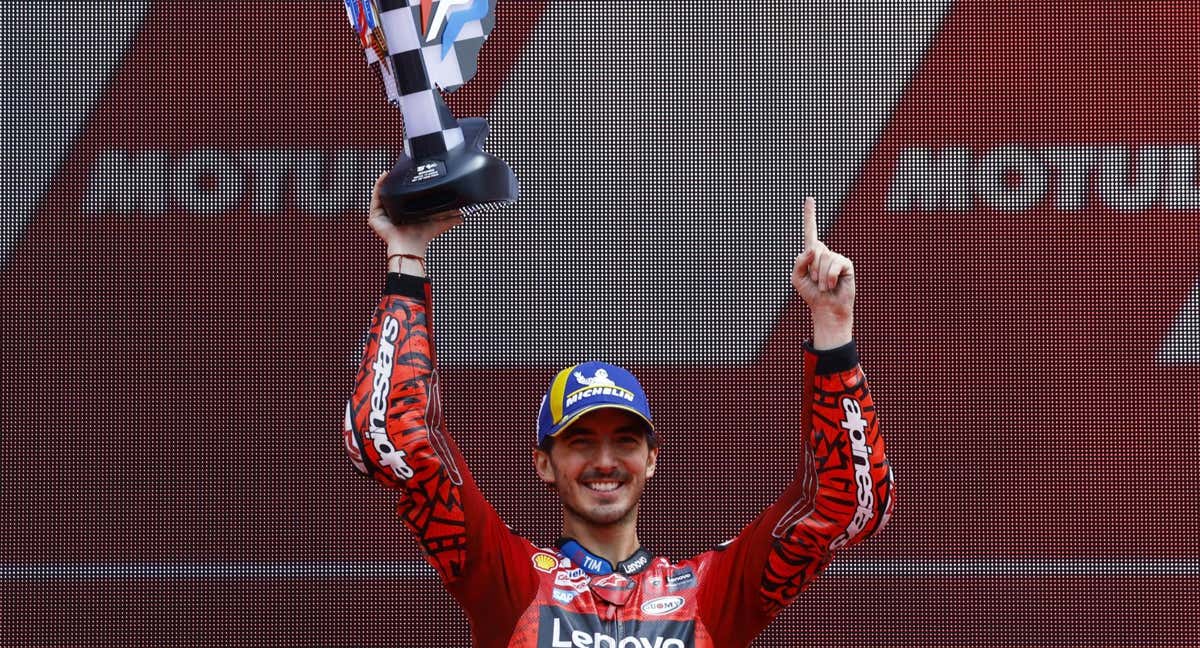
column 585, row 442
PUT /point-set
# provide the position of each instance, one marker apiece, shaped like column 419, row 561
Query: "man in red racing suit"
column 516, row 594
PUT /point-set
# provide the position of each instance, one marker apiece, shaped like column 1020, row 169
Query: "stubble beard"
column 609, row 518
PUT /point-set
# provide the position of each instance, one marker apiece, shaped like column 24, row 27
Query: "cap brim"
column 591, row 408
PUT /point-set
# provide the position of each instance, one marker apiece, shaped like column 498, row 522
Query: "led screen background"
column 187, row 277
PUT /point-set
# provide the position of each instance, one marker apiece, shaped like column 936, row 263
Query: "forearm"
column 854, row 479
column 392, row 387
column 821, row 504
column 396, row 428
column 840, row 494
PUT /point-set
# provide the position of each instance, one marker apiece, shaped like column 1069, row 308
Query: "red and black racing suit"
column 516, row 594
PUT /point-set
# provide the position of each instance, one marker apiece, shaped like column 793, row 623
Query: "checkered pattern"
column 415, row 70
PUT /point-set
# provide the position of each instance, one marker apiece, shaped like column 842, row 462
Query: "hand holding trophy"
column 421, row 46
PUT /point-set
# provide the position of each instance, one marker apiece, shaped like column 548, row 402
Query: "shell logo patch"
column 544, row 562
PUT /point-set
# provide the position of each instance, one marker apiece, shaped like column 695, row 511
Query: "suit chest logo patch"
column 662, row 605
column 544, row 562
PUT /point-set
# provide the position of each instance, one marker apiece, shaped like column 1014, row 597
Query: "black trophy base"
column 466, row 177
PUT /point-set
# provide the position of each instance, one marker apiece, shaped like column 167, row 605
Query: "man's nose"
column 605, row 458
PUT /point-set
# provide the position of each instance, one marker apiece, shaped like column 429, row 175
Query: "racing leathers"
column 518, row 595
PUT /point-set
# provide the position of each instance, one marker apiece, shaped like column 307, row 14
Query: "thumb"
column 376, row 202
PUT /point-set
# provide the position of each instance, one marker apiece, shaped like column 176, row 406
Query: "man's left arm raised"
column 842, row 491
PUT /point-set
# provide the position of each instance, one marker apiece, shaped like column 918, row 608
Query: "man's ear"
column 542, row 466
column 651, row 462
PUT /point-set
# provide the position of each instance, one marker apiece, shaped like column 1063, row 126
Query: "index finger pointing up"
column 810, row 223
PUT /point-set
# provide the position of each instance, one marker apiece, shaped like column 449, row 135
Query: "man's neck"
column 613, row 543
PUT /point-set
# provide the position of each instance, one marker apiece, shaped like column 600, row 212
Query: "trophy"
column 422, row 46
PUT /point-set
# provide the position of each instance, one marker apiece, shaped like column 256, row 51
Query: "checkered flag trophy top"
column 421, row 46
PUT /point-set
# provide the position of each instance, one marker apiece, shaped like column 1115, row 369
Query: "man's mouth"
column 603, row 486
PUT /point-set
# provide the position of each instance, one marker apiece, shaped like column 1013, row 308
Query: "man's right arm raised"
column 393, row 427
column 395, row 433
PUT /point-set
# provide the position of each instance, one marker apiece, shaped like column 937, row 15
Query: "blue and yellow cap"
column 582, row 388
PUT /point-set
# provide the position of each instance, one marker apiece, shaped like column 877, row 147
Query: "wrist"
column 415, row 246
column 407, row 264
column 832, row 333
column 407, row 256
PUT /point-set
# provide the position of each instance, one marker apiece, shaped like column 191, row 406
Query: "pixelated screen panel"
column 186, row 279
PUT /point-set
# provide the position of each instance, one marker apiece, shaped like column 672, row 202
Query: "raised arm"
column 842, row 491
column 395, row 433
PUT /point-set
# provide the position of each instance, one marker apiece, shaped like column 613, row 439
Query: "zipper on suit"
column 611, row 617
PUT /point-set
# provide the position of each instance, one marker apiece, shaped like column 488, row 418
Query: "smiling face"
column 599, row 465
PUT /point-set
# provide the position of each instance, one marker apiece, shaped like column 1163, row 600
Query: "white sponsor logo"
column 681, row 579
column 662, row 605
column 632, row 567
column 599, row 391
column 572, row 574
column 856, row 425
column 389, row 455
column 601, row 379
column 213, row 181
column 594, row 564
column 565, row 596
column 1015, row 178
column 572, row 580
column 580, row 639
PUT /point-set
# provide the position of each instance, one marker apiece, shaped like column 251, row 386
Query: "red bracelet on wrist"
column 418, row 259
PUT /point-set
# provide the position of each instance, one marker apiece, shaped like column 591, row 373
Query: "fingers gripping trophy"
column 424, row 47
